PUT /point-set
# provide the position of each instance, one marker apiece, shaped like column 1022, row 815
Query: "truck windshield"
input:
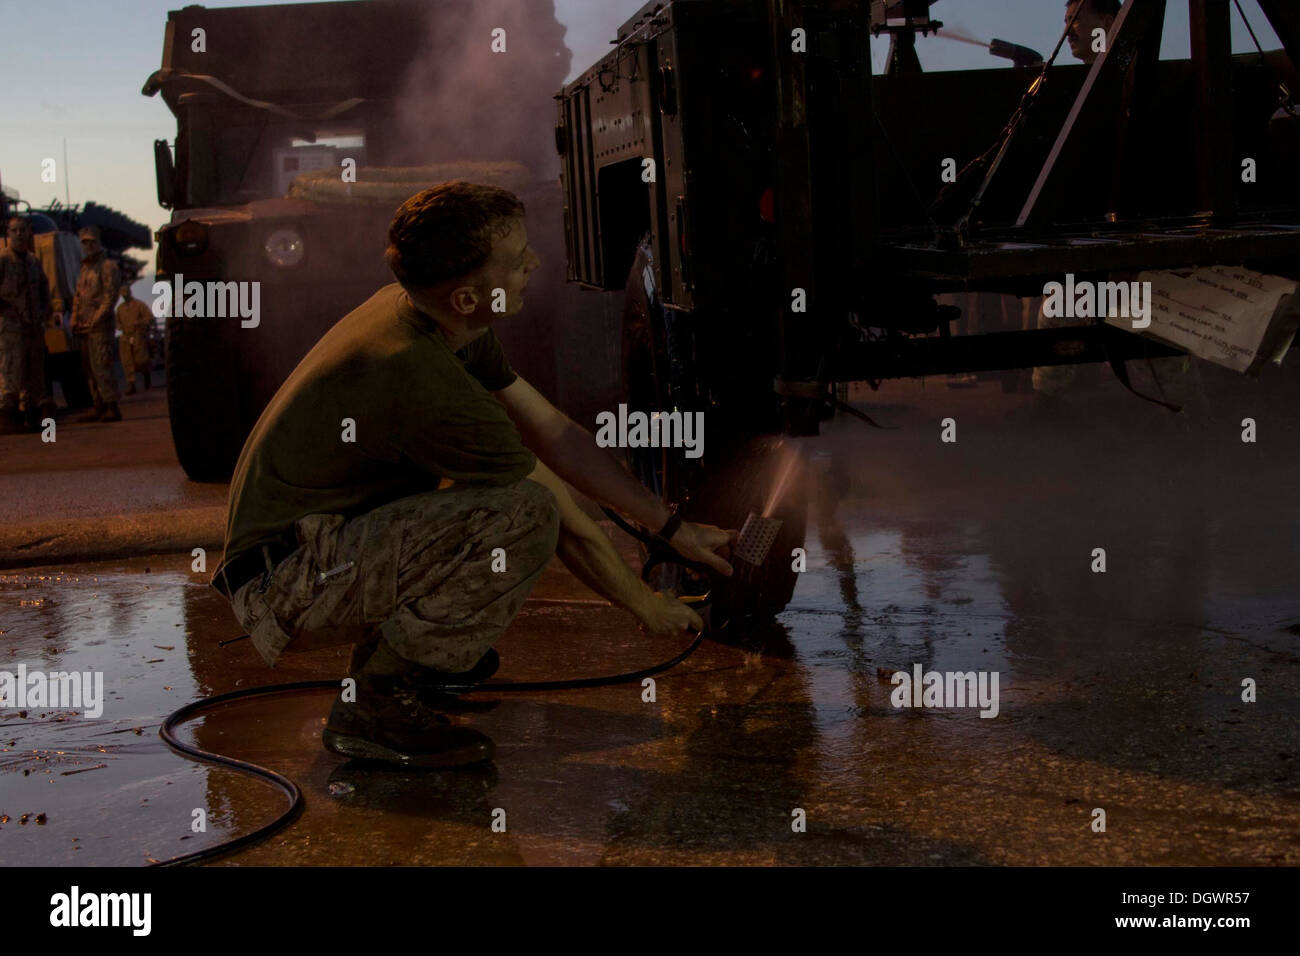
column 260, row 160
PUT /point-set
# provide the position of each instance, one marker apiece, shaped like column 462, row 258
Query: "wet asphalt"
column 98, row 490
column 1119, row 691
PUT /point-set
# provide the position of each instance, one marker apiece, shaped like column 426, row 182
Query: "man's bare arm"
column 572, row 452
column 588, row 553
column 566, row 448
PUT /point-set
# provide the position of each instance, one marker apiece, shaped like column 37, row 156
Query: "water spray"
column 1021, row 56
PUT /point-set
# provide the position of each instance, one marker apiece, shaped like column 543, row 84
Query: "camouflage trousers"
column 438, row 576
column 97, row 364
column 22, row 369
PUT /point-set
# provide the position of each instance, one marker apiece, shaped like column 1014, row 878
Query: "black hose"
column 291, row 790
column 167, row 733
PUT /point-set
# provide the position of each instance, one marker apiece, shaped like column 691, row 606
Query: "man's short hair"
column 1100, row 7
column 446, row 232
column 20, row 220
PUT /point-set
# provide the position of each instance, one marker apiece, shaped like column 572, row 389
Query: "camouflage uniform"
column 134, row 320
column 416, row 572
column 24, row 309
column 92, row 319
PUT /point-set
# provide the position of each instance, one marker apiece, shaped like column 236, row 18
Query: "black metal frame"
column 838, row 234
column 1037, row 246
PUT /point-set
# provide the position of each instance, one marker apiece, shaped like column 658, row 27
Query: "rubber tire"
column 208, row 422
column 727, row 496
column 740, row 475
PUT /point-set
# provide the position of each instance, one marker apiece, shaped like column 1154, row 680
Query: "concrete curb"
column 127, row 536
column 116, row 536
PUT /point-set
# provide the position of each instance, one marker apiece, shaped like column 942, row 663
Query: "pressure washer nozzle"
column 756, row 538
column 1017, row 54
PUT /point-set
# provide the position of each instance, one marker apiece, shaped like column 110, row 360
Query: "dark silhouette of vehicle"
column 273, row 105
column 780, row 222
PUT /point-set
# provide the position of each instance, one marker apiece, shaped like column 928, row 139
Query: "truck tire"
column 208, row 424
column 741, row 473
column 764, row 476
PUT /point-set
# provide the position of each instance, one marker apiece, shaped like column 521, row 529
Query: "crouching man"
column 371, row 498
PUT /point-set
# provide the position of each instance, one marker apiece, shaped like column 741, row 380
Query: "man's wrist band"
column 674, row 522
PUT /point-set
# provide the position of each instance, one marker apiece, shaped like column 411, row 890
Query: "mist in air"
column 462, row 101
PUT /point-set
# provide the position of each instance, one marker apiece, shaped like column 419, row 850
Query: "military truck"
column 300, row 129
column 780, row 222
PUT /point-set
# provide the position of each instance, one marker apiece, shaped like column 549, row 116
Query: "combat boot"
column 443, row 683
column 94, row 416
column 111, row 413
column 396, row 719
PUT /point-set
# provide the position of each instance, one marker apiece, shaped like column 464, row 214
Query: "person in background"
column 1092, row 15
column 24, row 310
column 134, row 320
column 1177, row 375
column 1082, row 17
column 92, row 321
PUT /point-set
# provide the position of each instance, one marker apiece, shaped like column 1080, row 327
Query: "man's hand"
column 698, row 542
column 662, row 615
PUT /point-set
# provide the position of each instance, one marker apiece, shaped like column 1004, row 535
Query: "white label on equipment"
column 1218, row 313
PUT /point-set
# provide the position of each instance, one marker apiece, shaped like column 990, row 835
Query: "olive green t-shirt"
column 419, row 413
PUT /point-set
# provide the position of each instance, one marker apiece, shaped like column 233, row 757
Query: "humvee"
column 300, row 129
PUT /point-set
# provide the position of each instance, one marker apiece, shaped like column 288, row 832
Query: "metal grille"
column 756, row 538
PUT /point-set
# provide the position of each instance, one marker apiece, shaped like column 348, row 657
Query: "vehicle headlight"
column 285, row 248
column 191, row 237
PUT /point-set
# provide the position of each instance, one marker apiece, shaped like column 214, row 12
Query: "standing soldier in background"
column 92, row 320
column 24, row 308
column 1082, row 18
column 1086, row 21
column 134, row 319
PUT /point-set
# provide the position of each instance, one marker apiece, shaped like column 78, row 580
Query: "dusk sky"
column 74, row 69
